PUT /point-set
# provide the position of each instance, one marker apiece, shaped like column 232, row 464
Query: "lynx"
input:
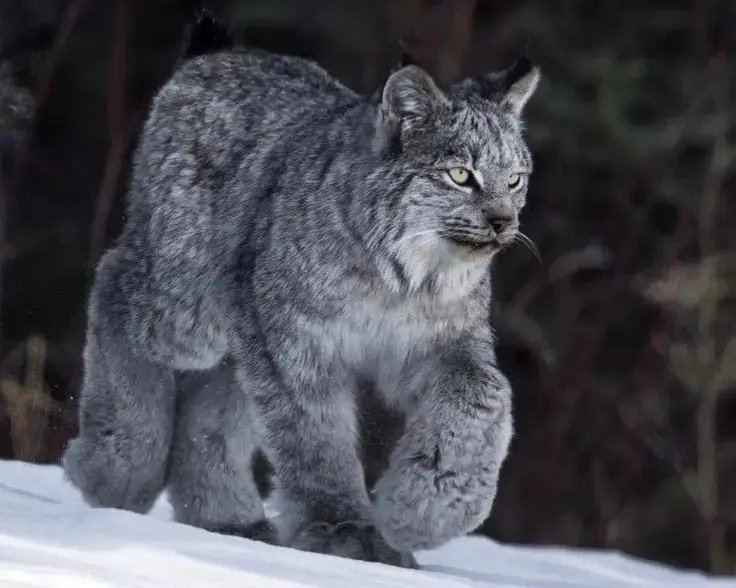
column 287, row 242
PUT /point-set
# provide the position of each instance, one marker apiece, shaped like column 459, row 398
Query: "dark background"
column 620, row 343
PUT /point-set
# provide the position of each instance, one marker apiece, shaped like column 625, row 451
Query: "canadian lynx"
column 288, row 239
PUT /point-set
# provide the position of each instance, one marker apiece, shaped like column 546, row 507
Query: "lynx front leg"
column 442, row 477
column 305, row 421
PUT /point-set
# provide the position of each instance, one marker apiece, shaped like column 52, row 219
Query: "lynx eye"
column 514, row 181
column 460, row 175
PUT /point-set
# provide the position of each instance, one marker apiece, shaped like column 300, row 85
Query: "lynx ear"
column 410, row 97
column 511, row 88
column 520, row 82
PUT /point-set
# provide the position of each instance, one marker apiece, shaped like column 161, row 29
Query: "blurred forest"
column 620, row 343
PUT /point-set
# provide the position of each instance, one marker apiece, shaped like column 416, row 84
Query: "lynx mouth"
column 475, row 245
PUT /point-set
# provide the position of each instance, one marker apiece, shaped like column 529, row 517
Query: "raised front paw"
column 352, row 540
column 440, row 485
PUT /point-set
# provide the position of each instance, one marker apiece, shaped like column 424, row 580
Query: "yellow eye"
column 460, row 175
column 514, row 180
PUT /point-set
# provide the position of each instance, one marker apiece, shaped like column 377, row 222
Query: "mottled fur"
column 285, row 231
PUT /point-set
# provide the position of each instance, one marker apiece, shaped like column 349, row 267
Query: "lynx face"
column 461, row 169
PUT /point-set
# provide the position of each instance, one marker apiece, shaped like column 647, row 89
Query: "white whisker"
column 529, row 244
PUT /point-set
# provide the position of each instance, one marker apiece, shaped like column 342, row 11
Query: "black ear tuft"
column 207, row 35
column 521, row 67
column 406, row 58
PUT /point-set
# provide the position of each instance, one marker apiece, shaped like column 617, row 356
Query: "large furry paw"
column 432, row 492
column 108, row 481
column 259, row 531
column 352, row 540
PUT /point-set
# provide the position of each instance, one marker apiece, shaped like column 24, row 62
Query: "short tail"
column 207, row 35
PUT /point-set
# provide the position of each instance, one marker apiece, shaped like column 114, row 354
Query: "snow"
column 50, row 539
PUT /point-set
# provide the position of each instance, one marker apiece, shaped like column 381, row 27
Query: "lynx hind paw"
column 353, row 540
column 107, row 480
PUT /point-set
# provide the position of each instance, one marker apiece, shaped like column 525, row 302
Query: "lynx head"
column 459, row 164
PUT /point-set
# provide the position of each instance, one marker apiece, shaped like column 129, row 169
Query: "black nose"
column 499, row 220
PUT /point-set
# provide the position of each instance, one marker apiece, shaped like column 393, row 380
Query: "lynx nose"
column 500, row 218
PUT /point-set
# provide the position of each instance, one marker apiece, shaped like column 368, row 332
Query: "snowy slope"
column 50, row 539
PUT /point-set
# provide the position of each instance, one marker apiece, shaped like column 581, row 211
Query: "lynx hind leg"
column 126, row 412
column 211, row 481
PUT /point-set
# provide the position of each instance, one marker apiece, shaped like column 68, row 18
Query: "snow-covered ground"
column 50, row 539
